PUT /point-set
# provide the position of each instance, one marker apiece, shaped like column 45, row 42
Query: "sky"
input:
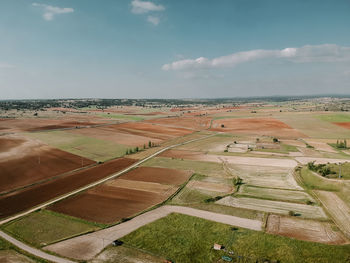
column 173, row 48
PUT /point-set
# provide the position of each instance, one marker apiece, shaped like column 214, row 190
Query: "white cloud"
column 153, row 20
column 51, row 11
column 308, row 53
column 141, row 7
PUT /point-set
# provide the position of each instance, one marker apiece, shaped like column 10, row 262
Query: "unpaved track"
column 87, row 246
column 34, row 251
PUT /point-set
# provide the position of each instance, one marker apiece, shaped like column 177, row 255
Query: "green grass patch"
column 189, row 239
column 45, row 227
column 337, row 117
column 284, row 148
column 191, row 196
column 343, row 169
column 121, row 117
column 315, row 182
column 88, row 147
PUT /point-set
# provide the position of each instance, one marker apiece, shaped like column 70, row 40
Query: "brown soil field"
column 152, row 130
column 258, row 126
column 22, row 125
column 143, row 186
column 157, row 175
column 343, row 124
column 110, row 134
column 307, row 230
column 42, row 163
column 108, row 204
column 195, row 123
column 7, row 143
column 32, row 196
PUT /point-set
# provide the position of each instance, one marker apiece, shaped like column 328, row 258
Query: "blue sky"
column 173, row 49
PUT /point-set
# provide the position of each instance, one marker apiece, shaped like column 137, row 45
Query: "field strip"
column 39, row 253
column 305, row 160
column 34, row 251
column 339, row 211
column 87, row 246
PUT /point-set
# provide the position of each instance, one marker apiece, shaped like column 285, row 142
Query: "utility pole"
column 339, row 170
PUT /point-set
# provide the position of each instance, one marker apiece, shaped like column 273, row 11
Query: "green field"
column 275, row 194
column 284, row 148
column 343, row 169
column 312, row 181
column 192, row 196
column 185, row 239
column 205, row 168
column 88, row 147
column 46, row 227
column 336, row 117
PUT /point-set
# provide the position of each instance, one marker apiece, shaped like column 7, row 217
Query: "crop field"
column 264, row 176
column 275, row 194
column 88, row 147
column 33, row 196
column 301, row 210
column 339, row 210
column 111, row 135
column 125, row 196
column 313, row 127
column 253, row 161
column 216, row 143
column 308, row 230
column 205, row 168
column 45, row 227
column 195, row 123
column 256, row 126
column 31, row 162
column 183, row 238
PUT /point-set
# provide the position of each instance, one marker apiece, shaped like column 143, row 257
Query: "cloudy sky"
column 173, row 49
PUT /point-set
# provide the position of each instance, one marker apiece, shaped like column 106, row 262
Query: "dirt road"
column 87, row 246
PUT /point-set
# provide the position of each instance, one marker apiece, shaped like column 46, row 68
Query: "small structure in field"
column 217, row 247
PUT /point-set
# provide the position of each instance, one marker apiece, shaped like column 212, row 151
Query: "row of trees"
column 342, row 144
column 137, row 149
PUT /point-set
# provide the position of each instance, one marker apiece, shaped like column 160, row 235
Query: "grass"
column 121, row 117
column 344, row 168
column 88, row 147
column 205, row 168
column 314, row 182
column 284, row 148
column 185, row 239
column 232, row 211
column 275, row 194
column 336, row 117
column 8, row 247
column 190, row 196
column 46, row 227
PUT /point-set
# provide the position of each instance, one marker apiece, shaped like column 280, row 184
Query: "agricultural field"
column 278, row 207
column 124, row 197
column 247, row 163
column 183, row 238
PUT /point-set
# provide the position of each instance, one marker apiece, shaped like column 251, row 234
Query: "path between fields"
column 40, row 253
column 87, row 246
column 34, row 251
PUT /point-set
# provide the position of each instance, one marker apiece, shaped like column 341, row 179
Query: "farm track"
column 87, row 246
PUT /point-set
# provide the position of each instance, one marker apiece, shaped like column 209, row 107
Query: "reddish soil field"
column 151, row 130
column 343, row 124
column 22, row 125
column 9, row 143
column 195, row 123
column 108, row 204
column 18, row 201
column 260, row 126
column 157, row 175
column 43, row 163
column 183, row 154
column 110, row 134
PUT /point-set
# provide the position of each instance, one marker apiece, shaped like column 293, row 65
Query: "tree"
column 149, row 144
